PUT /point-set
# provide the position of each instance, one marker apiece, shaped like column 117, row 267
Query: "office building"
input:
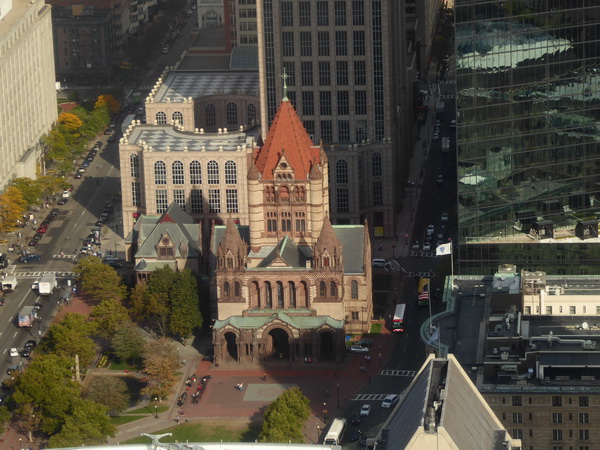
column 442, row 409
column 530, row 342
column 349, row 72
column 528, row 85
column 27, row 86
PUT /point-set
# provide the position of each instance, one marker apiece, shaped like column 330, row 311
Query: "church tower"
column 288, row 189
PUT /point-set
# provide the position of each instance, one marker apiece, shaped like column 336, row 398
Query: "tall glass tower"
column 528, row 105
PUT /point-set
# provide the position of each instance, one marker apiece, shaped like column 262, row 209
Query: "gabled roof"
column 175, row 214
column 285, row 255
column 287, row 135
column 299, row 322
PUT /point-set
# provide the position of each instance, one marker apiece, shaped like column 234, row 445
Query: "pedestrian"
column 380, row 247
column 177, row 420
column 241, row 387
column 264, row 377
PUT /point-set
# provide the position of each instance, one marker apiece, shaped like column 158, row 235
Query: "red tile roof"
column 287, row 135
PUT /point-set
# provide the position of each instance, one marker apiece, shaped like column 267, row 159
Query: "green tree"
column 185, row 309
column 150, row 307
column 99, row 280
column 71, row 337
column 5, row 416
column 109, row 391
column 285, row 417
column 56, row 143
column 87, row 424
column 46, row 387
column 128, row 343
column 108, row 101
column 30, row 190
column 160, row 364
column 110, row 315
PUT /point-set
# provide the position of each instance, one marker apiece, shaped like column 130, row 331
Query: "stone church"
column 289, row 285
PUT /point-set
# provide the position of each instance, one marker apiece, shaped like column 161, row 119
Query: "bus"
column 424, row 292
column 398, row 322
column 336, row 432
column 445, row 144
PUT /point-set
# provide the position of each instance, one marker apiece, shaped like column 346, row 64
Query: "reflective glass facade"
column 528, row 105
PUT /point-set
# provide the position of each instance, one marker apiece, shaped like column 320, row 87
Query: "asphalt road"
column 65, row 234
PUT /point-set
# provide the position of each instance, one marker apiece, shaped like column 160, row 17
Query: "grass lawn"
column 376, row 328
column 207, row 431
column 120, row 420
column 122, row 365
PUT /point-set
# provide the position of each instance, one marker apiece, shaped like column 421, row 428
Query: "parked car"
column 108, row 131
column 85, row 164
column 25, row 353
column 66, row 193
column 365, row 410
column 31, row 343
column 77, row 176
column 63, row 201
column 356, row 435
column 365, row 342
column 358, row 349
column 112, row 139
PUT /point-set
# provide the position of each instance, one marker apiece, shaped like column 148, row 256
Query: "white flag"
column 444, row 249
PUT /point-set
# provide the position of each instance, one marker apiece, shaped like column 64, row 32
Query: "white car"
column 430, row 229
column 35, row 285
column 436, row 136
column 427, row 246
column 444, row 217
column 365, row 410
column 358, row 349
column 390, row 400
column 14, row 351
column 66, row 194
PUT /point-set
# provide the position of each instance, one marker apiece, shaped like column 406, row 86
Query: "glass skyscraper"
column 528, row 105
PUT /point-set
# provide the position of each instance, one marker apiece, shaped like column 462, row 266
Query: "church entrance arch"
column 278, row 345
column 326, row 346
column 231, row 347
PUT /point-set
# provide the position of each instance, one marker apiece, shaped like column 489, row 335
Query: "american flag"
column 424, row 295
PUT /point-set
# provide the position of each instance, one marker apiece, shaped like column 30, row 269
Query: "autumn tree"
column 128, row 343
column 71, row 337
column 12, row 207
column 110, row 315
column 70, row 122
column 109, row 391
column 285, row 417
column 109, row 102
column 99, row 280
column 160, row 364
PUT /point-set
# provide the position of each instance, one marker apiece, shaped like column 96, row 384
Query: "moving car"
column 14, row 351
column 365, row 410
column 356, row 435
column 390, row 400
column 440, row 180
column 444, row 217
column 30, row 257
column 426, row 246
column 355, row 419
column 35, row 285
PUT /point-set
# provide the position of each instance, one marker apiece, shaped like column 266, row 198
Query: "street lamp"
column 318, row 433
column 156, row 410
column 324, row 412
column 337, row 387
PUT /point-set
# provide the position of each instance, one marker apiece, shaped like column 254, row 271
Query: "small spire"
column 285, row 76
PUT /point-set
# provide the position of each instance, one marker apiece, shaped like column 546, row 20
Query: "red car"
column 42, row 229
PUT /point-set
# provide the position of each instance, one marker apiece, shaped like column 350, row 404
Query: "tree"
column 5, row 416
column 30, row 190
column 285, row 417
column 109, row 102
column 128, row 343
column 110, row 315
column 71, row 337
column 185, row 312
column 12, row 206
column 70, row 122
column 88, row 424
column 56, row 142
column 160, row 364
column 150, row 307
column 99, row 280
column 109, row 391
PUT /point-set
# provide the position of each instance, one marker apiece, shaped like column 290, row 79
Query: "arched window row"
column 279, row 294
column 328, row 289
column 231, row 290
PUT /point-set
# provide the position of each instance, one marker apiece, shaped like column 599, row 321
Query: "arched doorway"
column 326, row 347
column 231, row 347
column 279, row 345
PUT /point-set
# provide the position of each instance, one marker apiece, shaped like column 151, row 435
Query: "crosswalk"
column 65, row 256
column 422, row 254
column 39, row 274
column 399, row 373
column 363, row 397
column 422, row 274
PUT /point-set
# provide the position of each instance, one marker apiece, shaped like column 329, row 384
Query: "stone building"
column 289, row 285
column 27, row 86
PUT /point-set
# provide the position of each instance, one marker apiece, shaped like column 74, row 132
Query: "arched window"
column 341, row 172
column 292, row 294
column 237, row 290
column 226, row 291
column 160, row 173
column 376, row 161
column 213, row 172
column 284, row 194
column 161, row 118
column 177, row 117
column 230, row 172
column 211, row 116
column 354, row 289
column 177, row 168
column 322, row 289
column 268, row 295
column 195, row 172
column 135, row 165
column 232, row 118
column 251, row 113
column 333, row 289
column 279, row 294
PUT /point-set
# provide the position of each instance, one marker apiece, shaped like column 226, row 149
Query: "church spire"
column 284, row 76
